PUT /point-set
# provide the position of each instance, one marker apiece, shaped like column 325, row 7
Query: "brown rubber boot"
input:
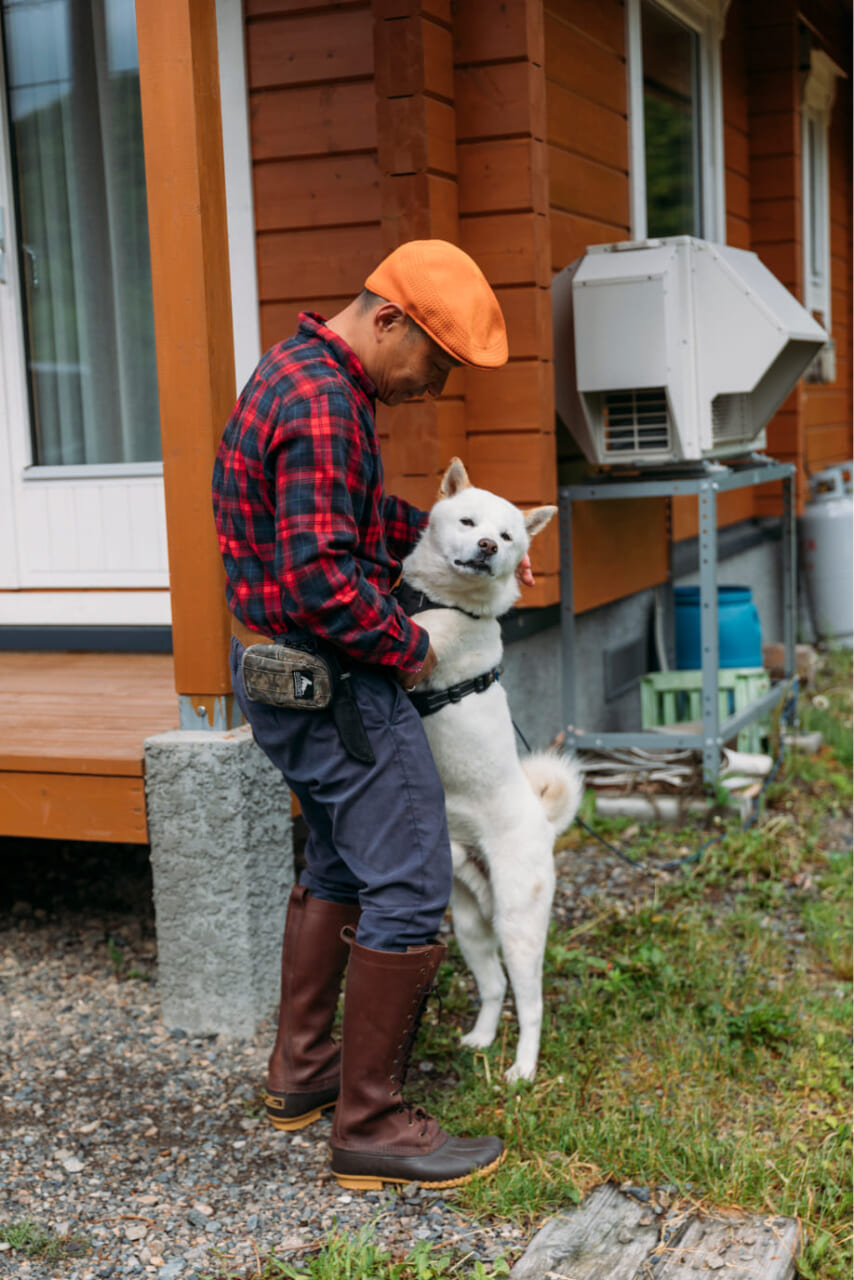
column 303, row 1071
column 376, row 1136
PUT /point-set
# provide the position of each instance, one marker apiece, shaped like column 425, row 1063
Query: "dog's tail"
column 557, row 783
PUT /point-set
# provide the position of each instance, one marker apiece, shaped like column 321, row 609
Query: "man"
column 312, row 550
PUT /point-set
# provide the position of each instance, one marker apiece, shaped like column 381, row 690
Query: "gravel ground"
column 148, row 1143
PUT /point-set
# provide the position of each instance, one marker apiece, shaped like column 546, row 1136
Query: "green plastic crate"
column 674, row 697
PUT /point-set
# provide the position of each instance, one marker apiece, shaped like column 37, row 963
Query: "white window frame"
column 706, row 18
column 819, row 94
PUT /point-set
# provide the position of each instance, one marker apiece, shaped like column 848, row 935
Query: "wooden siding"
column 502, row 124
column 621, row 547
column 313, row 139
column 503, row 203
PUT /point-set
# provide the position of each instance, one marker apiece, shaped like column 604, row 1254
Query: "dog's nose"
column 488, row 547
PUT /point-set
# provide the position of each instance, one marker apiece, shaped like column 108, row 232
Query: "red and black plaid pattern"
column 308, row 538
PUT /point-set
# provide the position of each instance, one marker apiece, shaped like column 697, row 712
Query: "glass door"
column 76, row 317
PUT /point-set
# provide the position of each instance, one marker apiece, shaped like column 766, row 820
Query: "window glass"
column 671, row 103
column 75, row 118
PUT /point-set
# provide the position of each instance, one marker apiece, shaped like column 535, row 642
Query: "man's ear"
column 454, row 480
column 537, row 518
column 388, row 317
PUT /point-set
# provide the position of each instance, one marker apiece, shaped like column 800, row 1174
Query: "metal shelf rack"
column 705, row 484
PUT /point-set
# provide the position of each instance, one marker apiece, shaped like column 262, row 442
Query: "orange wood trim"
column 179, row 83
column 59, row 806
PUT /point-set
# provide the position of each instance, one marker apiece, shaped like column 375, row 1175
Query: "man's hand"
column 409, row 679
column 524, row 573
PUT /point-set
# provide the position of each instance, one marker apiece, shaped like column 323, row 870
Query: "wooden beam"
column 65, row 806
column 179, row 85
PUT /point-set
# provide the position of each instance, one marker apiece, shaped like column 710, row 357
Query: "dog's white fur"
column 503, row 814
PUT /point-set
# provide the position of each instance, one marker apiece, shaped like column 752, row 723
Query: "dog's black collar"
column 428, row 703
column 412, row 601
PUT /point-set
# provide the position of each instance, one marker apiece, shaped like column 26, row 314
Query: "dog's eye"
column 506, row 537
column 469, row 523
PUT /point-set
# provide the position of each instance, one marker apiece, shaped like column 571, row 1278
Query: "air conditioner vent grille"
column 637, row 421
column 730, row 418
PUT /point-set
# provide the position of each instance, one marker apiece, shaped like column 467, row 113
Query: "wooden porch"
column 72, row 728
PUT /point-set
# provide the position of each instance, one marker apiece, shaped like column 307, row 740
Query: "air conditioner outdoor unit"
column 674, row 350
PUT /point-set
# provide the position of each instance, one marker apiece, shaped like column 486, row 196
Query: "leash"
column 786, row 717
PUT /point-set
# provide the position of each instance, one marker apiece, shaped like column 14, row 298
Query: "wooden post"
column 179, row 85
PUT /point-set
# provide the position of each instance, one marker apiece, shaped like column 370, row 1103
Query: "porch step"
column 72, row 729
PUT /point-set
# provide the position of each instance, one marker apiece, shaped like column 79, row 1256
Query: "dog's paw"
column 476, row 1039
column 519, row 1072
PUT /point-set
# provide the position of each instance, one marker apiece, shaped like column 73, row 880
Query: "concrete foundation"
column 222, row 860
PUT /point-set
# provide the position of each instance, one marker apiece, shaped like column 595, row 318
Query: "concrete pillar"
column 222, row 857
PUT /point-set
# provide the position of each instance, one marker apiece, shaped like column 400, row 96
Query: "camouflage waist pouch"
column 286, row 677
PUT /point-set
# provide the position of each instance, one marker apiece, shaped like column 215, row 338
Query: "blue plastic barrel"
column 739, row 632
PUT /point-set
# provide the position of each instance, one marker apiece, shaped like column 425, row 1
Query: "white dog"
column 503, row 813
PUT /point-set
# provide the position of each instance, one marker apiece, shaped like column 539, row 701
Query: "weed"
column 361, row 1257
column 34, row 1241
column 122, row 966
column 698, row 1036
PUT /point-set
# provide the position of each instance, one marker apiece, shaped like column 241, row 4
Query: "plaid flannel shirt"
column 310, row 542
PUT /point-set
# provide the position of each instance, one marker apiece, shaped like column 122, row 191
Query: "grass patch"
column 33, row 1241
column 344, row 1256
column 699, row 1036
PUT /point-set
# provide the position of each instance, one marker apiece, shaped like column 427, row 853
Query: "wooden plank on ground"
column 59, row 806
column 619, row 1236
column 735, row 1247
column 601, row 1240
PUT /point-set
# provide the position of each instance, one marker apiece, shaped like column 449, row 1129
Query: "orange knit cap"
column 445, row 292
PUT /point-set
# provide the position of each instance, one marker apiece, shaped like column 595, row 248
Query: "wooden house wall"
column 501, row 153
column 503, row 124
column 621, row 547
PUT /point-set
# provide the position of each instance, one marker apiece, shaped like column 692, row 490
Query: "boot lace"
column 400, row 1068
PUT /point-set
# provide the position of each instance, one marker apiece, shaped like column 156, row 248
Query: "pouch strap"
column 428, row 703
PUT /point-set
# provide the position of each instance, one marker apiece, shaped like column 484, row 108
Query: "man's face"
column 407, row 364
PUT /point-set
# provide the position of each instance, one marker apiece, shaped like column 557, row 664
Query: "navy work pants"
column 378, row 833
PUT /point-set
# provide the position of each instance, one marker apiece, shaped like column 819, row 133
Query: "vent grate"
column 730, row 419
column 637, row 421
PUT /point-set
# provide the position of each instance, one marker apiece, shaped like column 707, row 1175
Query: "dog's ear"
column 454, row 480
column 537, row 518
